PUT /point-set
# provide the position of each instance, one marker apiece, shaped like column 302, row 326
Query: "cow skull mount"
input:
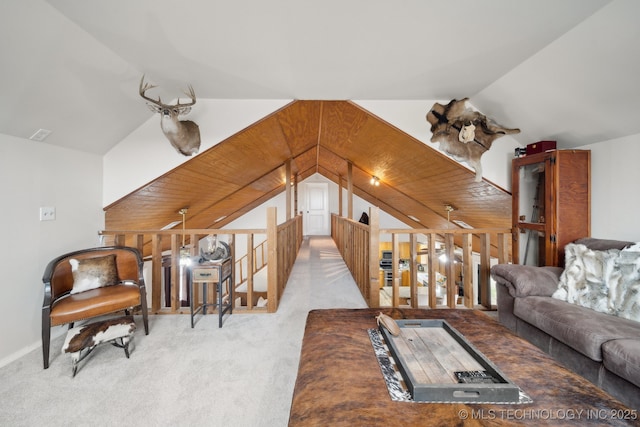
column 184, row 135
column 464, row 134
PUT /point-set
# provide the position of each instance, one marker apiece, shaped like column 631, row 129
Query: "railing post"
column 467, row 270
column 374, row 250
column 272, row 260
column 288, row 189
column 138, row 242
column 432, row 270
column 503, row 248
column 250, row 268
column 176, row 273
column 452, row 295
column 484, row 278
column 395, row 280
column 156, row 273
column 350, row 190
column 413, row 267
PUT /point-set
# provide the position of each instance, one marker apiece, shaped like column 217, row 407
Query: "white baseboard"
column 55, row 333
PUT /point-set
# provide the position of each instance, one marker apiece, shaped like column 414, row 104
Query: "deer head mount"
column 184, row 135
column 464, row 134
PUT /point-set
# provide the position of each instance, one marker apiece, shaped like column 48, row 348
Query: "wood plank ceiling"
column 248, row 168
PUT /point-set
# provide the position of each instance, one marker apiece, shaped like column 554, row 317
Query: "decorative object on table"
column 185, row 252
column 540, row 146
column 434, row 346
column 520, row 152
column 388, row 323
column 464, row 134
column 214, row 249
column 184, row 135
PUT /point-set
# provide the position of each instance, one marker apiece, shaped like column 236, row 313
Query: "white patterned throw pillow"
column 605, row 281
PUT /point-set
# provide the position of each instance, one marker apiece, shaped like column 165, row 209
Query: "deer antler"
column 191, row 94
column 145, row 87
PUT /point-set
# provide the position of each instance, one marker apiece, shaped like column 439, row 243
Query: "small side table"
column 219, row 272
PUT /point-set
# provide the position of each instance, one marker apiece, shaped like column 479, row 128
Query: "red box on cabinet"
column 540, row 146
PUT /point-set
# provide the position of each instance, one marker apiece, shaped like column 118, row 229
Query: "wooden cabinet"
column 551, row 204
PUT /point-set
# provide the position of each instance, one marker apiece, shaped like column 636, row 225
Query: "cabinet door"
column 551, row 205
column 533, row 211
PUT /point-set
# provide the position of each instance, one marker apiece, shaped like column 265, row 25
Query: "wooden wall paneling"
column 246, row 169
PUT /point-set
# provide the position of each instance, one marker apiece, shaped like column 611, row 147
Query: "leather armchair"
column 62, row 306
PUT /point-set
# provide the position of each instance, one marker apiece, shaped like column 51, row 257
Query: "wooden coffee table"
column 340, row 382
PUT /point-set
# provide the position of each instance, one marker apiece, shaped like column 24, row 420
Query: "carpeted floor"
column 240, row 375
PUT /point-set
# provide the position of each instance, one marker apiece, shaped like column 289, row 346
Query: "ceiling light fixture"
column 185, row 256
column 375, row 181
column 449, row 209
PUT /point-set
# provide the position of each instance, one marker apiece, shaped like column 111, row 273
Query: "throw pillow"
column 584, row 279
column 624, row 284
column 93, row 273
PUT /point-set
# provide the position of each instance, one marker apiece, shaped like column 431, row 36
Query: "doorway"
column 316, row 220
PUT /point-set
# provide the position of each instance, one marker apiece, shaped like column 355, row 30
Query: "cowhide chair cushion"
column 87, row 337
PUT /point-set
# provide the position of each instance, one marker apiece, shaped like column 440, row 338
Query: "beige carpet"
column 240, row 375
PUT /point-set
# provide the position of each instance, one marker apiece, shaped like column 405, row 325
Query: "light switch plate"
column 47, row 213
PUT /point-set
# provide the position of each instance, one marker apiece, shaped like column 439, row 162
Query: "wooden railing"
column 360, row 246
column 352, row 239
column 282, row 243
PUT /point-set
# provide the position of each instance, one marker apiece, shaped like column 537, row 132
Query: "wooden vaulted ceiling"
column 247, row 169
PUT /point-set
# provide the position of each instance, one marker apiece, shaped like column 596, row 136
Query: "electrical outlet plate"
column 47, row 213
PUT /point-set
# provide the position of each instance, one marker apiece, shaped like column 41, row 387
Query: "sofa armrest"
column 527, row 280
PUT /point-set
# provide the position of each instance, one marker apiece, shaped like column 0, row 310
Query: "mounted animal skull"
column 464, row 134
column 184, row 135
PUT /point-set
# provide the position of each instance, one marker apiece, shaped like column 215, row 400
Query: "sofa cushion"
column 582, row 329
column 526, row 280
column 622, row 357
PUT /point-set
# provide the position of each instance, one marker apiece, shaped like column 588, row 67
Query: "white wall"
column 614, row 189
column 34, row 174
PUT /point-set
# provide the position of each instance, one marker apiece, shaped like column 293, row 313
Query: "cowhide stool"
column 81, row 340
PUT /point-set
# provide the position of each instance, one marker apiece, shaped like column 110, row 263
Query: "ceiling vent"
column 40, row 135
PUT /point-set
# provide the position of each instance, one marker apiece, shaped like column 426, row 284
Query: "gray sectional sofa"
column 601, row 347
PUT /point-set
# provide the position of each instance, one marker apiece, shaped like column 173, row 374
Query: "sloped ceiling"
column 323, row 137
column 560, row 69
